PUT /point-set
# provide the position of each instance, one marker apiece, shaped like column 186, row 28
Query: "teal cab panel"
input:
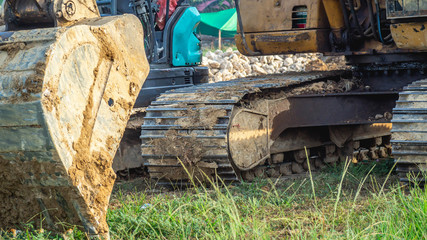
column 186, row 45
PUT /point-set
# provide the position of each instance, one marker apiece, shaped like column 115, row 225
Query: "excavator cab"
column 171, row 40
column 285, row 27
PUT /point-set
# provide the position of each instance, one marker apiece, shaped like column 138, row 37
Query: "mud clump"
column 329, row 86
column 181, row 149
column 12, row 48
column 201, row 116
column 26, row 90
column 181, row 146
column 34, row 83
column 20, row 200
column 92, row 171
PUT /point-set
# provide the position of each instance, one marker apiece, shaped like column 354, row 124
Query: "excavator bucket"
column 66, row 94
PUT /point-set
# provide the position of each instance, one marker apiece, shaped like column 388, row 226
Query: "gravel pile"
column 224, row 66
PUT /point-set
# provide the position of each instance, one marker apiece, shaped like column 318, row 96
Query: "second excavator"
column 268, row 126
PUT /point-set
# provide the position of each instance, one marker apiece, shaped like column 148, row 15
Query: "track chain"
column 295, row 162
column 167, row 135
column 409, row 132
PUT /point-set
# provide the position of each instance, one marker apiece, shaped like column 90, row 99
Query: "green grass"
column 343, row 202
column 30, row 233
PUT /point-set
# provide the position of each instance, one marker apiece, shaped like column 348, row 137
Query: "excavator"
column 69, row 79
column 286, row 124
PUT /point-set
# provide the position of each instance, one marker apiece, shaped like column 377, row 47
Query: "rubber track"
column 409, row 132
column 163, row 114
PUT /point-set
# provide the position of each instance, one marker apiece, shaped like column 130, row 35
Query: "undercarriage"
column 269, row 126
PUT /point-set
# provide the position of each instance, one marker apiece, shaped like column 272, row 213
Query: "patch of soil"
column 25, row 90
column 201, row 116
column 187, row 148
column 12, row 48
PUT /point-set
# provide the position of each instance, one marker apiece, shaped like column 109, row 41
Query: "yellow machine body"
column 279, row 29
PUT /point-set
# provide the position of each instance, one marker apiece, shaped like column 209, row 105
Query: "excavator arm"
column 24, row 14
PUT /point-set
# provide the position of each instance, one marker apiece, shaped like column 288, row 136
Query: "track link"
column 409, row 132
column 295, row 163
column 159, row 123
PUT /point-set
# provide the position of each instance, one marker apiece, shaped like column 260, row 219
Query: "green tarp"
column 226, row 21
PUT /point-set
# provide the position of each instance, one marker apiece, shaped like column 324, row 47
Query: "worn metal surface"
column 356, row 30
column 334, row 14
column 411, row 36
column 351, row 108
column 285, row 42
column 275, row 16
column 38, row 13
column 248, row 138
column 400, row 9
column 65, row 97
column 275, row 32
column 294, row 139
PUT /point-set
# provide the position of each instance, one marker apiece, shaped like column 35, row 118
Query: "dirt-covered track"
column 409, row 133
column 195, row 127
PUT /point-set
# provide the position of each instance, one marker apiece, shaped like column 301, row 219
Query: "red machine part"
column 161, row 15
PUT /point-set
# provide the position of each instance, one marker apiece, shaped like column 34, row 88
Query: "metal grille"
column 406, row 9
